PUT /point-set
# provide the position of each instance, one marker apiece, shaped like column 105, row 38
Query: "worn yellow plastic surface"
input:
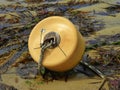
column 72, row 43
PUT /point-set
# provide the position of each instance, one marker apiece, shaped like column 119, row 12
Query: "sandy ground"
column 79, row 82
column 75, row 83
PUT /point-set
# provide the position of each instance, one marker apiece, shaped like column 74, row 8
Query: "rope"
column 44, row 46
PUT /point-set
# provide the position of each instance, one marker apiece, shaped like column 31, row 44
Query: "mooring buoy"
column 59, row 40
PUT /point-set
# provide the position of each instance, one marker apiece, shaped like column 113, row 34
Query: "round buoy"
column 68, row 47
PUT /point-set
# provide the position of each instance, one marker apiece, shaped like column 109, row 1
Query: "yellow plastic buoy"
column 70, row 43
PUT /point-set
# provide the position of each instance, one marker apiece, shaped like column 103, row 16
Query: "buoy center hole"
column 53, row 38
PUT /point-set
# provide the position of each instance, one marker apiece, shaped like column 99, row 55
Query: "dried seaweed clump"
column 109, row 57
column 6, row 87
column 86, row 23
